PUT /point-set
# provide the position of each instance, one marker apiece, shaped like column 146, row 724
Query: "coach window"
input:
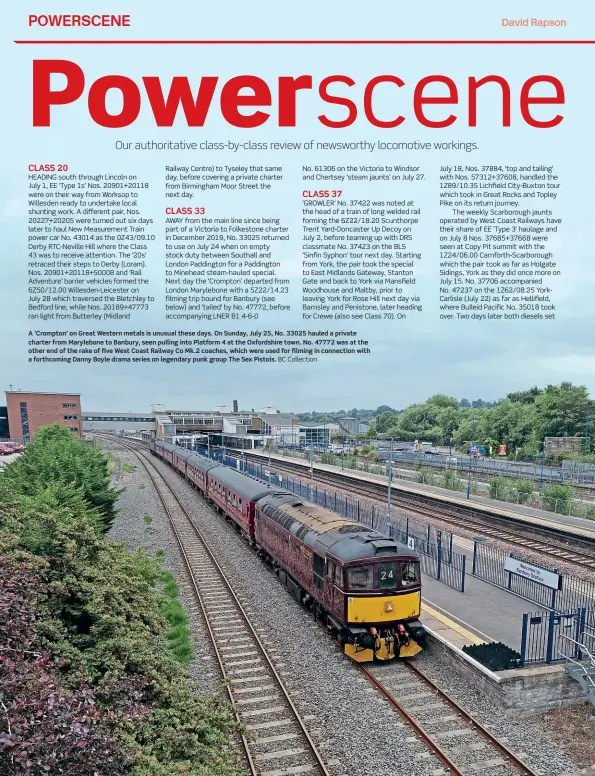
column 361, row 578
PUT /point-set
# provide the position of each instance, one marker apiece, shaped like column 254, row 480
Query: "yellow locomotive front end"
column 382, row 607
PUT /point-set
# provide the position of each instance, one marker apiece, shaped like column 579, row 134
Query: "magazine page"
column 297, row 314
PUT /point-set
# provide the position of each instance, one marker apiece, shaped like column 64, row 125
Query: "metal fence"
column 435, row 547
column 542, row 631
column 580, row 473
column 488, row 564
column 446, row 477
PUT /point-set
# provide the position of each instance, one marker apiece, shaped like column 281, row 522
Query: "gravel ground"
column 574, row 729
column 129, row 527
column 528, row 737
column 326, row 687
column 359, row 730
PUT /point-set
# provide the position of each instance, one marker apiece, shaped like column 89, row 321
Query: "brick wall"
column 519, row 691
column 43, row 409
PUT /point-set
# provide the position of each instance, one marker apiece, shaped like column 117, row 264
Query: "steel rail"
column 312, row 746
column 412, row 722
column 427, row 738
column 370, row 490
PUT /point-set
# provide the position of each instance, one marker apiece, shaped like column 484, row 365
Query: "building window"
column 74, row 428
column 24, row 420
column 70, row 417
column 69, row 405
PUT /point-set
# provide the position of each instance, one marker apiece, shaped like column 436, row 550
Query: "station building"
column 225, row 426
column 27, row 411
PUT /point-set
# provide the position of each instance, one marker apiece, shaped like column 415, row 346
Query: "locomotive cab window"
column 318, row 571
column 387, row 574
column 410, row 574
column 361, row 577
column 330, row 566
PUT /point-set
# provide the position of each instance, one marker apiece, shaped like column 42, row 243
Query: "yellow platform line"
column 467, row 634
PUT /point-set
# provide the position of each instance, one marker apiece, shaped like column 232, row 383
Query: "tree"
column 443, row 401
column 525, row 397
column 464, row 403
column 510, row 423
column 561, row 410
column 372, row 433
column 386, row 420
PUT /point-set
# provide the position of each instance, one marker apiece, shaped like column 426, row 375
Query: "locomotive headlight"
column 389, row 606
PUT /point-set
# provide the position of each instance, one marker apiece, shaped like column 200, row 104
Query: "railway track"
column 283, row 746
column 458, row 518
column 277, row 740
column 461, row 743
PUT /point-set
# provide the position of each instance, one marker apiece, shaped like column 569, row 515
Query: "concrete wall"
column 518, row 691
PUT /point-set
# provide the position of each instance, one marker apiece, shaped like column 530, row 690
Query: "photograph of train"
column 365, row 586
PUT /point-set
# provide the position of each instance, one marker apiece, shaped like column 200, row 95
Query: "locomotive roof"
column 240, row 483
column 325, row 531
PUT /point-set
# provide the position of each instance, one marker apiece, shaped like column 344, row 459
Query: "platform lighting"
column 389, row 528
column 542, row 465
column 471, row 446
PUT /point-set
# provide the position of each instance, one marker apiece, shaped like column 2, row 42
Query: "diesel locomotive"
column 365, row 586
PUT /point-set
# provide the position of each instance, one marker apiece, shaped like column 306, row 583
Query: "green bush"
column 558, row 498
column 451, row 480
column 498, row 488
column 109, row 619
column 495, row 656
column 424, row 476
column 524, row 489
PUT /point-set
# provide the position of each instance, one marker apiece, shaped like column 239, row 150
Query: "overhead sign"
column 534, row 573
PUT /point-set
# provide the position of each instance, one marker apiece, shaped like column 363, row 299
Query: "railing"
column 566, row 474
column 435, row 547
column 541, row 631
column 488, row 564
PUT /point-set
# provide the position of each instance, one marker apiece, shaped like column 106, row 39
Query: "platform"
column 578, row 526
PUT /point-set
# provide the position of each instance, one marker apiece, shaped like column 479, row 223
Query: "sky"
column 410, row 360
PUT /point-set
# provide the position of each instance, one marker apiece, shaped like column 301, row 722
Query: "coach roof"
column 201, row 463
column 241, row 484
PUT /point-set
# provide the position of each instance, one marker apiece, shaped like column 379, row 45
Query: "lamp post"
column 269, row 485
column 389, row 528
column 542, row 465
column 311, row 474
column 471, row 446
